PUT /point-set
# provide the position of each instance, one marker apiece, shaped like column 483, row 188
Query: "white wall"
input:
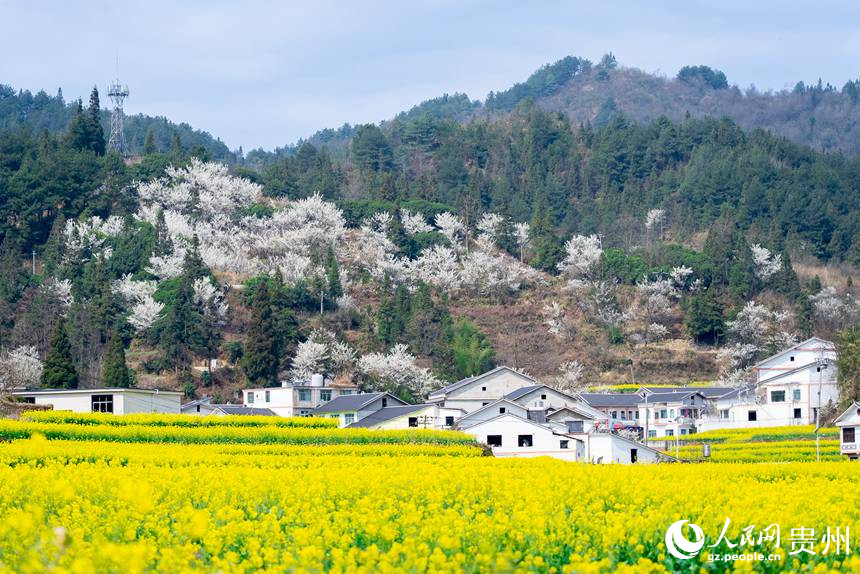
column 471, row 397
column 544, row 442
column 612, row 449
column 792, row 359
column 492, row 411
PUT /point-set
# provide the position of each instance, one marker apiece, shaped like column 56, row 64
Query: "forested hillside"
column 53, row 113
column 422, row 250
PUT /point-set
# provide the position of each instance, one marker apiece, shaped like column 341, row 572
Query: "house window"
column 615, row 414
column 268, row 396
column 525, row 440
column 652, row 434
column 250, row 398
column 543, row 397
column 304, row 394
column 484, row 404
column 502, row 410
column 777, row 396
column 494, row 440
column 791, row 358
column 348, row 418
column 449, row 421
column 636, row 414
column 670, row 432
column 795, row 394
column 198, row 408
column 662, row 413
column 325, row 396
column 413, row 421
column 724, row 414
column 483, row 388
column 634, row 454
column 29, row 400
column 848, row 435
column 563, row 444
column 574, row 426
column 752, row 416
column 102, row 403
column 624, row 415
column 347, row 392
column 671, row 413
column 683, row 431
column 797, row 413
column 384, row 402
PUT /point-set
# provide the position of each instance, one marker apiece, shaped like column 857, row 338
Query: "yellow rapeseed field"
column 96, row 505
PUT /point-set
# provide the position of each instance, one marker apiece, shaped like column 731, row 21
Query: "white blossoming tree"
column 396, row 371
column 570, row 377
column 582, row 253
column 20, row 367
column 766, row 263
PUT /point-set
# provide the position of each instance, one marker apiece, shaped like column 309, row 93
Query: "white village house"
column 349, row 409
column 518, row 417
column 296, row 398
column 791, row 387
column 119, row 401
column 849, row 431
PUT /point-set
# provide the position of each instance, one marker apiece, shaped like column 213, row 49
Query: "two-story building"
column 849, row 431
column 297, row 398
column 671, row 413
column 790, row 389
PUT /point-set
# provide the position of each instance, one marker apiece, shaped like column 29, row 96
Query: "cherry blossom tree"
column 834, row 311
column 521, row 234
column 20, row 367
column 414, row 222
column 570, row 378
column 451, row 227
column 396, row 371
column 654, row 221
column 322, row 353
column 144, row 310
column 766, row 264
column 582, row 255
column 756, row 331
column 438, row 266
column 557, row 321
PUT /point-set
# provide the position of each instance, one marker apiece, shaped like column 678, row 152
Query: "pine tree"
column 182, row 328
column 95, row 133
column 163, row 243
column 115, row 373
column 335, row 288
column 149, row 143
column 11, row 274
column 176, row 145
column 59, row 370
column 705, row 318
column 260, row 361
column 52, row 254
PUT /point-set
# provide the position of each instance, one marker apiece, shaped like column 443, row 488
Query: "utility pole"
column 821, row 366
column 34, row 262
column 321, row 300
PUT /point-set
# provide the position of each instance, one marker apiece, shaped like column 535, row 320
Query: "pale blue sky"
column 261, row 73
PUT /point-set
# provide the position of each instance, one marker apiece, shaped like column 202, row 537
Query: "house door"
column 634, row 454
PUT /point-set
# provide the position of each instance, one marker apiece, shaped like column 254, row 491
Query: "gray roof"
column 242, row 410
column 611, row 399
column 522, row 391
column 386, row 414
column 668, row 397
column 463, row 382
column 350, row 403
column 708, row 392
column 747, row 390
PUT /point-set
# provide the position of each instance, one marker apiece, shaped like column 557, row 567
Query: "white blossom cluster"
column 654, row 219
column 396, row 370
column 20, row 367
column 59, row 290
column 144, row 310
column 210, row 298
column 766, row 263
column 582, row 253
column 756, row 331
column 557, row 322
column 414, row 222
column 89, row 235
column 570, row 377
column 322, row 353
column 833, row 310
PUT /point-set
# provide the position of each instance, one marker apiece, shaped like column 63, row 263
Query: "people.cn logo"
column 678, row 545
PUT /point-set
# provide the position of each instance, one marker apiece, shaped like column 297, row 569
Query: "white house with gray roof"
column 849, row 431
column 791, row 386
column 349, row 409
column 402, row 417
column 472, row 393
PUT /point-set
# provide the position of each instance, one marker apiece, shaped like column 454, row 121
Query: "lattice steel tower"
column 117, row 92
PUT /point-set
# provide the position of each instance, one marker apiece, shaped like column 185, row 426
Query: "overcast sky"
column 265, row 73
